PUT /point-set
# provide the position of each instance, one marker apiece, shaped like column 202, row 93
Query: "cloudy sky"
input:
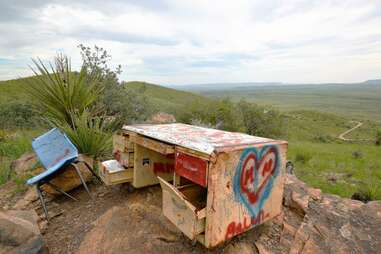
column 196, row 41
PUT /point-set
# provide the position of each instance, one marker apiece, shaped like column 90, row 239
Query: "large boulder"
column 29, row 197
column 162, row 117
column 139, row 226
column 136, row 228
column 19, row 233
column 25, row 163
column 313, row 222
column 68, row 179
column 240, row 248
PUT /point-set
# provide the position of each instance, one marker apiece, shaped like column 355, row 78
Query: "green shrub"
column 368, row 192
column 18, row 115
column 378, row 138
column 126, row 106
column 260, row 121
column 357, row 154
column 303, row 157
column 226, row 116
column 3, row 135
column 323, row 138
column 14, row 147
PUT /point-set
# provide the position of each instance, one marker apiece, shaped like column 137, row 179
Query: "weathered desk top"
column 201, row 139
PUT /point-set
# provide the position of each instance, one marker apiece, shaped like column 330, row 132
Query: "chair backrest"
column 54, row 149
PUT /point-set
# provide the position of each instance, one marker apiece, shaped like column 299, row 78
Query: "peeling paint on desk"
column 201, row 139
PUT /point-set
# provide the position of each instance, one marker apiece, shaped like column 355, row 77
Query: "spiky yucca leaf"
column 89, row 134
column 60, row 93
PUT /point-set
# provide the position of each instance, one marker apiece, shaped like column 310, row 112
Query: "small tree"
column 260, row 121
column 227, row 116
column 115, row 100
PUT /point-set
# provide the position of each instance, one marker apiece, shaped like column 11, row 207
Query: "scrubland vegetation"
column 360, row 100
column 88, row 105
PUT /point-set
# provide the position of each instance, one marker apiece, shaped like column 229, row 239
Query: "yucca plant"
column 89, row 134
column 68, row 101
column 60, row 93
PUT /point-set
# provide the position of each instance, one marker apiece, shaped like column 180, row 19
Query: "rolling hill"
column 163, row 98
column 13, row 90
column 361, row 100
column 166, row 99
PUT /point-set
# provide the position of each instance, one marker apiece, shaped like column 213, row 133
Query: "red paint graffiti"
column 235, row 228
column 117, row 155
column 247, row 174
column 159, row 167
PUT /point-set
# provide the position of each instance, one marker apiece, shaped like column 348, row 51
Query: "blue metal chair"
column 55, row 151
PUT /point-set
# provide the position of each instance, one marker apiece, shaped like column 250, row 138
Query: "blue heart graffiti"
column 256, row 164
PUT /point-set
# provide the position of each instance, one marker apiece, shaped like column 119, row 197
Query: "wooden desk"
column 221, row 183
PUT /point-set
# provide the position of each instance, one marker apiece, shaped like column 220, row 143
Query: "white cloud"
column 179, row 42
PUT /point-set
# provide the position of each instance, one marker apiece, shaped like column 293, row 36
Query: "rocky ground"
column 116, row 221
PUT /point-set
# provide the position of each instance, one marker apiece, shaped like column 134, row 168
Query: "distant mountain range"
column 245, row 85
column 373, row 82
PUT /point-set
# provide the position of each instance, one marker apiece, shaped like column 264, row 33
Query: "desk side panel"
column 245, row 189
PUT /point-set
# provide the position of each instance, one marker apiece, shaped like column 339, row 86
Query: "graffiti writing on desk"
column 235, row 228
column 255, row 175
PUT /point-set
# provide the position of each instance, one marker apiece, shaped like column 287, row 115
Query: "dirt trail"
column 341, row 136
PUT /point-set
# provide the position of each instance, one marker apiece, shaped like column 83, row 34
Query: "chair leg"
column 81, row 178
column 92, row 171
column 39, row 192
column 61, row 191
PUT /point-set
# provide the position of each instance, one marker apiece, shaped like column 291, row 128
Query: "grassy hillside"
column 338, row 168
column 324, row 127
column 324, row 161
column 163, row 98
column 13, row 90
column 166, row 99
column 361, row 101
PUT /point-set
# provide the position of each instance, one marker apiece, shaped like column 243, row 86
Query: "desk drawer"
column 111, row 172
column 123, row 150
column 121, row 143
column 192, row 168
column 185, row 207
column 125, row 159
